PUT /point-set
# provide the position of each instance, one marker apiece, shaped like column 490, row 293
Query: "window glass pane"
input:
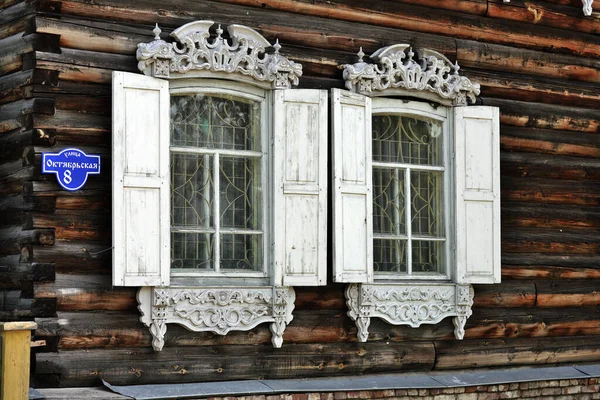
column 241, row 252
column 240, row 192
column 402, row 139
column 388, row 201
column 389, row 255
column 426, row 203
column 192, row 250
column 427, row 256
column 191, row 190
column 215, row 122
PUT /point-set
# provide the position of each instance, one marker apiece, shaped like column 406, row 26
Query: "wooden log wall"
column 539, row 61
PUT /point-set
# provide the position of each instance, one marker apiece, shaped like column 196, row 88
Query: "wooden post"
column 14, row 350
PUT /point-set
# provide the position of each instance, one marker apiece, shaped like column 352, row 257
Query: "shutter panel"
column 299, row 234
column 352, row 192
column 140, row 157
column 477, row 177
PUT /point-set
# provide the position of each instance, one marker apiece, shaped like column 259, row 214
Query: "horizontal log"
column 384, row 14
column 489, row 56
column 13, row 306
column 549, row 216
column 485, row 353
column 17, row 11
column 92, row 200
column 518, row 240
column 13, row 275
column 557, row 16
column 514, row 323
column 559, row 260
column 549, row 166
column 12, row 115
column 22, row 203
column 71, row 256
column 531, row 190
column 548, row 141
column 527, row 88
column 74, row 88
column 18, row 235
column 72, row 121
column 545, row 116
column 190, row 364
column 87, row 293
column 508, row 294
column 19, row 85
column 83, row 225
column 571, row 293
column 548, row 272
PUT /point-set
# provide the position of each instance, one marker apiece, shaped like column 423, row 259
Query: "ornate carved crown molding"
column 217, row 309
column 246, row 56
column 409, row 304
column 397, row 71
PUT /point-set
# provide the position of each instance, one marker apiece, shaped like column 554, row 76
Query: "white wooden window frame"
column 242, row 91
column 429, row 76
column 242, row 66
column 387, row 106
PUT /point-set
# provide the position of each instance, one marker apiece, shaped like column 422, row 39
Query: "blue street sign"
column 71, row 166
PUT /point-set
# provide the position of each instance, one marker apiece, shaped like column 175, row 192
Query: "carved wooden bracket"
column 399, row 71
column 216, row 309
column 410, row 304
column 245, row 56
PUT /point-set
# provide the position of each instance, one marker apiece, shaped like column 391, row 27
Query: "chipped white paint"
column 477, row 189
column 352, row 194
column 299, row 238
column 216, row 309
column 411, row 304
column 140, row 159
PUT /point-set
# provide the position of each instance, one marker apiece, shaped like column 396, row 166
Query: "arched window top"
column 244, row 56
column 399, row 71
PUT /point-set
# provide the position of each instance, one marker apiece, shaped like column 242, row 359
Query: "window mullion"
column 217, row 211
column 407, row 205
column 206, row 204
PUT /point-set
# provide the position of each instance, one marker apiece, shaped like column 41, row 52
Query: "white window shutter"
column 299, row 237
column 477, row 178
column 352, row 192
column 140, row 159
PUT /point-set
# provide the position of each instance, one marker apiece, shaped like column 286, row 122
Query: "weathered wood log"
column 571, row 293
column 548, row 141
column 12, row 115
column 530, row 190
column 549, row 216
column 71, row 121
column 385, row 14
column 509, row 294
column 87, row 293
column 556, row 16
column 14, row 275
column 547, row 116
column 189, row 364
column 71, row 256
column 548, row 272
column 549, row 166
column 550, row 241
column 513, row 352
column 18, row 235
column 21, row 203
column 19, row 85
column 13, row 306
column 535, row 89
column 74, row 88
column 560, row 260
column 488, row 56
column 95, row 200
column 72, row 225
column 17, row 45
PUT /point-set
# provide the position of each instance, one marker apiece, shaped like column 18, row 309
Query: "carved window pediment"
column 196, row 53
column 398, row 70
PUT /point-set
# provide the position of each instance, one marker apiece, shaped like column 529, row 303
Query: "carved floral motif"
column 218, row 310
column 246, row 53
column 397, row 69
column 406, row 304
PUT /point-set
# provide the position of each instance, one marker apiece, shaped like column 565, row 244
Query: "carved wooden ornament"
column 216, row 309
column 245, row 56
column 398, row 70
column 409, row 304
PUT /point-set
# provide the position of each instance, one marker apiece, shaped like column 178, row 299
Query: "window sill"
column 410, row 303
column 215, row 309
